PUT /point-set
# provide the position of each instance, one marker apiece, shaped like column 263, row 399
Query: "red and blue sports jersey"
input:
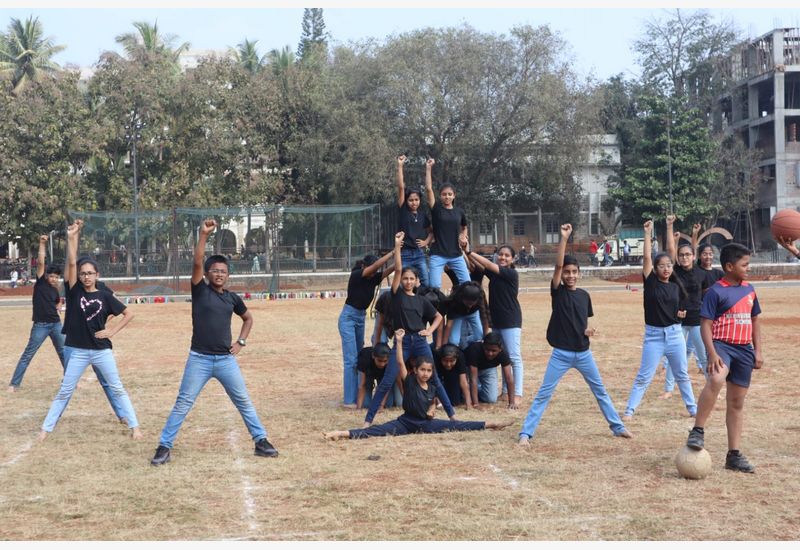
column 732, row 309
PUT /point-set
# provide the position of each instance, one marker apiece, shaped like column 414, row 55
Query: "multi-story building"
column 762, row 106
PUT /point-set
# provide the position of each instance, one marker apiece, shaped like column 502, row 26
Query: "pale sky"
column 600, row 39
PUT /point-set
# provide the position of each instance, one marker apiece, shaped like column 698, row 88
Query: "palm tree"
column 148, row 42
column 281, row 60
column 25, row 53
column 246, row 54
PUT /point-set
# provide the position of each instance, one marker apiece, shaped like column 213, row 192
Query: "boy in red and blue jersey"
column 732, row 337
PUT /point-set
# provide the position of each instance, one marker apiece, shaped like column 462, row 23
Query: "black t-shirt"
column 365, row 364
column 211, row 318
column 454, row 306
column 503, row 303
column 569, row 319
column 413, row 224
column 383, row 305
column 711, row 276
column 477, row 275
column 661, row 301
column 45, row 302
column 86, row 314
column 360, row 290
column 411, row 313
column 447, row 224
column 476, row 358
column 693, row 280
column 450, row 379
column 416, row 400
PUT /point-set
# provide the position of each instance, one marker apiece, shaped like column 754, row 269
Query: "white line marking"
column 513, row 483
column 22, row 452
column 249, row 515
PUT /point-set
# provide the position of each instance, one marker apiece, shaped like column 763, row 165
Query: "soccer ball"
column 693, row 464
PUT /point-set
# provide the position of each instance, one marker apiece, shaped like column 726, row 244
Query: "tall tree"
column 246, row 54
column 25, row 53
column 313, row 39
column 147, row 42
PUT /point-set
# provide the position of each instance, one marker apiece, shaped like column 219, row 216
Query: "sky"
column 599, row 39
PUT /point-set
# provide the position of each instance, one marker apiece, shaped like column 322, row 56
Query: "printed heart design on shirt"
column 91, row 308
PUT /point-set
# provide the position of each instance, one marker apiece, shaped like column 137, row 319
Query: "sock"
column 698, row 430
column 734, row 452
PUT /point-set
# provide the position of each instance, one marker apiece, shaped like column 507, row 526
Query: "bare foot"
column 42, row 435
column 122, row 420
column 524, row 441
column 333, row 436
column 136, row 433
column 349, row 405
column 498, row 425
column 625, row 434
column 627, row 418
column 666, row 395
column 12, row 389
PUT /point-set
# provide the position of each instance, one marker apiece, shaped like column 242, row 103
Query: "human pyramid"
column 716, row 310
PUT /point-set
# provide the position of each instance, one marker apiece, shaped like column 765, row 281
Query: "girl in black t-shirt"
column 663, row 334
column 416, row 225
column 705, row 260
column 364, row 278
column 452, row 370
column 418, row 405
column 505, row 311
column 463, row 301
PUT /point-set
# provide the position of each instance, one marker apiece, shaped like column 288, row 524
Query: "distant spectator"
column 14, row 277
column 626, row 252
column 593, row 252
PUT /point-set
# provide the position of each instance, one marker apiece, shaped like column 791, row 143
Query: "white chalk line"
column 249, row 512
column 21, row 453
column 513, row 483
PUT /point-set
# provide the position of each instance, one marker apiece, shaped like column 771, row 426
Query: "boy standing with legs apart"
column 211, row 354
column 568, row 333
column 88, row 340
column 732, row 336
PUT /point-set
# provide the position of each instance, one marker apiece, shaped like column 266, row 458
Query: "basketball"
column 786, row 223
column 693, row 464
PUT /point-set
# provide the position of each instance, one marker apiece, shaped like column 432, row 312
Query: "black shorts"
column 740, row 360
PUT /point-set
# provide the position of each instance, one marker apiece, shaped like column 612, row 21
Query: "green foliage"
column 313, row 37
column 25, row 53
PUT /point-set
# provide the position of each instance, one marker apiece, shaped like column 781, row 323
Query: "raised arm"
column 483, row 262
column 371, row 270
column 40, row 259
column 71, row 265
column 401, row 184
column 398, row 261
column 566, row 231
column 647, row 253
column 696, row 238
column 200, row 249
column 398, row 346
column 670, row 236
column 429, row 182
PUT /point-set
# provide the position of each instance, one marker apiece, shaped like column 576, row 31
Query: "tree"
column 25, row 53
column 148, row 42
column 246, row 54
column 313, row 40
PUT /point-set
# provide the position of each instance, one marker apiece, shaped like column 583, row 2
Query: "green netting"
column 263, row 240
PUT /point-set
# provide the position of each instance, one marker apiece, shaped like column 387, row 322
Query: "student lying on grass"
column 418, row 400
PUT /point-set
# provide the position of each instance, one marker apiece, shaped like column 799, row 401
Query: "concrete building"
column 762, row 106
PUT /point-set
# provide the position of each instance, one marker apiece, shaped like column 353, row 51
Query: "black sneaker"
column 737, row 462
column 696, row 440
column 161, row 456
column 265, row 448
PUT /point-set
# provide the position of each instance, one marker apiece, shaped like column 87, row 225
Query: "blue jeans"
column 351, row 330
column 384, row 336
column 560, row 362
column 200, row 368
column 414, row 345
column 39, row 333
column 658, row 342
column 487, row 385
column 116, row 406
column 395, row 398
column 466, row 330
column 694, row 343
column 511, row 342
column 457, row 264
column 79, row 359
column 416, row 258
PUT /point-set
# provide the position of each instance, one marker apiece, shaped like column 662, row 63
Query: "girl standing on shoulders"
column 663, row 334
column 414, row 224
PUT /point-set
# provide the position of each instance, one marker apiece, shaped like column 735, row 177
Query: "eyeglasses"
column 685, row 255
column 217, row 271
column 87, row 273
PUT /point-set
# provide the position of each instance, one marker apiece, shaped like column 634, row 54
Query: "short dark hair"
column 449, row 350
column 53, row 269
column 87, row 260
column 445, row 185
column 569, row 259
column 381, row 350
column 215, row 259
column 493, row 339
column 732, row 253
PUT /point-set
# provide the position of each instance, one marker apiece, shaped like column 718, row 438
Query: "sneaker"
column 265, row 448
column 696, row 440
column 737, row 462
column 161, row 456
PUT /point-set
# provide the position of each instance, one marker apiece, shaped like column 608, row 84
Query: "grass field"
column 576, row 482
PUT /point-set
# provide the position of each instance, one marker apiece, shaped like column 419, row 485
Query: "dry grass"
column 89, row 481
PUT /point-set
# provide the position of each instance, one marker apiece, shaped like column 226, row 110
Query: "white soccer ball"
column 693, row 464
